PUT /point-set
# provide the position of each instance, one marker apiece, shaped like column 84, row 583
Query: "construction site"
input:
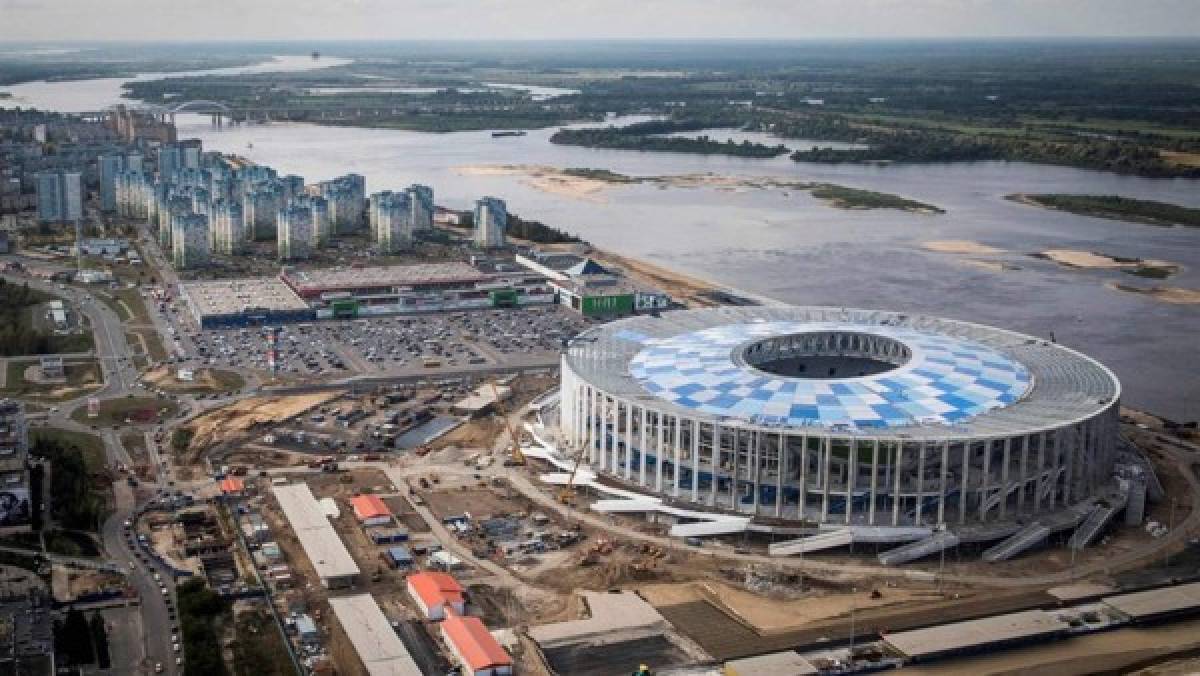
column 545, row 563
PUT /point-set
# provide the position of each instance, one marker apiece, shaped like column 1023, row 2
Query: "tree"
column 100, row 641
column 73, row 638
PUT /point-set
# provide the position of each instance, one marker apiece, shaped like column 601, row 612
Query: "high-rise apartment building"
column 295, row 232
column 59, row 197
column 491, row 219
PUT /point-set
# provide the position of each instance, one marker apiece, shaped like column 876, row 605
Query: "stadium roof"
column 380, row 649
column 321, row 542
column 956, row 379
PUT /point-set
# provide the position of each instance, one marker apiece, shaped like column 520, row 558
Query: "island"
column 1115, row 207
column 652, row 136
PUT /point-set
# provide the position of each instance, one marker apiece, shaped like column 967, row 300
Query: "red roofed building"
column 434, row 592
column 370, row 510
column 233, row 486
column 475, row 647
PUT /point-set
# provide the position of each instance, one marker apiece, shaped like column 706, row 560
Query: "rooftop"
column 972, row 634
column 321, row 542
column 380, row 649
column 234, row 296
column 786, row 663
column 369, row 507
column 474, row 643
column 329, row 279
column 1157, row 602
column 436, row 589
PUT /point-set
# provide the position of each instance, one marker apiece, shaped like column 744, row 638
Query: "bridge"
column 222, row 113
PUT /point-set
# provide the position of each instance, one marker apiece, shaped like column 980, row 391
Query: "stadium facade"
column 841, row 416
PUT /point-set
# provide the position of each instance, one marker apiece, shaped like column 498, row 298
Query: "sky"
column 65, row 20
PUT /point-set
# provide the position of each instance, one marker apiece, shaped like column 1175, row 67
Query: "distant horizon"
column 502, row 40
column 534, row 20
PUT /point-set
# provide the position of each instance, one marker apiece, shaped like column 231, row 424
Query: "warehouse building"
column 607, row 296
column 435, row 593
column 474, row 647
column 1156, row 605
column 380, row 649
column 244, row 302
column 974, row 636
column 370, row 510
column 320, row 541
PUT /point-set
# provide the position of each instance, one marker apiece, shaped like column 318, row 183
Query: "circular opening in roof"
column 824, row 355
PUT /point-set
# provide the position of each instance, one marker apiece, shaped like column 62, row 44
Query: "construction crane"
column 516, row 457
column 566, row 495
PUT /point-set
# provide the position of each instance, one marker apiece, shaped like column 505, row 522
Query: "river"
column 789, row 246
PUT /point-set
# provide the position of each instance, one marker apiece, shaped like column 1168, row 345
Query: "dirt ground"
column 236, row 420
column 768, row 615
column 206, row 380
column 68, row 583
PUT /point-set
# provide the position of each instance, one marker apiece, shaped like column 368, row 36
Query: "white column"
column 1004, row 473
column 658, row 453
column 780, row 469
column 678, row 453
column 851, row 478
column 874, row 481
column 642, row 448
column 945, row 474
column 802, row 504
column 826, row 475
column 628, row 440
column 1023, row 473
column 756, row 455
column 896, row 492
column 921, row 481
column 715, row 463
column 963, row 493
column 987, row 477
column 695, row 460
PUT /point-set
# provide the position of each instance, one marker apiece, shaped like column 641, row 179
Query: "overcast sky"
column 547, row 19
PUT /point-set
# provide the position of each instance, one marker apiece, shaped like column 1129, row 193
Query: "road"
column 114, row 355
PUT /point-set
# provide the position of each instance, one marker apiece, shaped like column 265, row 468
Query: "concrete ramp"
column 1036, row 532
column 815, row 543
column 1095, row 522
column 920, row 549
column 705, row 528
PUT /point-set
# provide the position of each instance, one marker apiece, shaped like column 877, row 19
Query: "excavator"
column 516, row 457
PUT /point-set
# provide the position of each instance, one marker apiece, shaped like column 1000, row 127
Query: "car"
column 128, row 523
column 175, row 647
column 179, row 661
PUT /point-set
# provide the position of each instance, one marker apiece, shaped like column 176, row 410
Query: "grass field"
column 81, row 377
column 141, row 410
column 91, row 445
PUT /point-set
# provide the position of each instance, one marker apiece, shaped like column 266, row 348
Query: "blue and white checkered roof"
column 948, row 380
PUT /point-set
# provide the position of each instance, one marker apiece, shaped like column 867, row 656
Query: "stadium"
column 831, row 416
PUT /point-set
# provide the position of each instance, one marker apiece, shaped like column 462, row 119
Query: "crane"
column 566, row 495
column 516, row 457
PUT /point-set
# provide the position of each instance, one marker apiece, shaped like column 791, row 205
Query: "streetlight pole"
column 853, row 603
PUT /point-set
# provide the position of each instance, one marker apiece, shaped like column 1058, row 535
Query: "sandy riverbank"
column 1092, row 260
column 1166, row 294
column 960, row 246
column 589, row 184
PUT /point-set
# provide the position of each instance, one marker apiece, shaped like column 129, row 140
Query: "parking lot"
column 387, row 345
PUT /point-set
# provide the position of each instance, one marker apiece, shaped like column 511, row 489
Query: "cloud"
column 566, row 19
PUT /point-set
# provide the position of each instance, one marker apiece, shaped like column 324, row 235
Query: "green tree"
column 100, row 641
